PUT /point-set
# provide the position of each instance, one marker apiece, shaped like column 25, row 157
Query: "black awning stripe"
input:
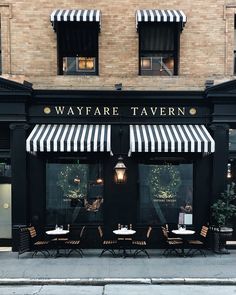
column 171, row 138
column 69, row 138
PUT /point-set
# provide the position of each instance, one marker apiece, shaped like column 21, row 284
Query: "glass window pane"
column 232, row 139
column 157, row 64
column 166, row 193
column 72, row 194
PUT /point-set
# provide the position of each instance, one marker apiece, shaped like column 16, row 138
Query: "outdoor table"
column 123, row 234
column 57, row 233
column 184, row 234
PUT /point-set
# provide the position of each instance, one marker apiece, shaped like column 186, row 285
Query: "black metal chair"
column 171, row 244
column 107, row 245
column 140, row 245
column 198, row 244
column 75, row 244
column 38, row 244
column 24, row 241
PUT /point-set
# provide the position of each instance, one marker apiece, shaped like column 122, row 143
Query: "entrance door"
column 5, row 211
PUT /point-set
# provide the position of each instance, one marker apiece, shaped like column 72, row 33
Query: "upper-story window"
column 159, row 36
column 77, row 41
column 234, row 44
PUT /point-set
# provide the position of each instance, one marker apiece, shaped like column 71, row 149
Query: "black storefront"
column 174, row 144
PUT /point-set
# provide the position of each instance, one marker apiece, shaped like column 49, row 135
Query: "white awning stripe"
column 69, row 138
column 155, row 15
column 75, row 15
column 171, row 139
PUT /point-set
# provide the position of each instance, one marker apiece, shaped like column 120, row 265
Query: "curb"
column 124, row 281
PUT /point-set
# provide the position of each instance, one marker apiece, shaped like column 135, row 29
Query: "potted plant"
column 223, row 210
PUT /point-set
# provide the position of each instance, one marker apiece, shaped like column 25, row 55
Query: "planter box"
column 221, row 235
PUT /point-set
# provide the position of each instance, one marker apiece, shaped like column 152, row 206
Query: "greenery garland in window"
column 165, row 181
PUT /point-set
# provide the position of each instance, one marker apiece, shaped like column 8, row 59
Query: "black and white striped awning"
column 75, row 15
column 155, row 15
column 69, row 138
column 171, row 138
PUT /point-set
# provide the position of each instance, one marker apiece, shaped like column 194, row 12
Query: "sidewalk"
column 93, row 270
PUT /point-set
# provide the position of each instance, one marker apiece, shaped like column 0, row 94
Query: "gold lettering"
column 80, row 110
column 181, row 111
column 106, row 111
column 134, row 109
column 144, row 112
column 171, row 111
column 70, row 111
column 60, row 110
column 115, row 111
column 153, row 110
column 88, row 110
column 97, row 112
column 163, row 111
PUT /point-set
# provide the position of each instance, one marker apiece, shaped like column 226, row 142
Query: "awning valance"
column 155, row 15
column 171, row 138
column 69, row 138
column 75, row 15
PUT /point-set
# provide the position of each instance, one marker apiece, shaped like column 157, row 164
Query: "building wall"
column 206, row 51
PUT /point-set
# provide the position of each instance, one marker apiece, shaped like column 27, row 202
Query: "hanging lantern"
column 99, row 179
column 120, row 171
column 77, row 180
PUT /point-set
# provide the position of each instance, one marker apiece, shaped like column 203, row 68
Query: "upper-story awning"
column 157, row 15
column 75, row 15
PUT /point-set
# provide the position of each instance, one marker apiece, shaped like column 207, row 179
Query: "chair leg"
column 139, row 251
column 197, row 250
column 41, row 251
column 109, row 250
column 79, row 251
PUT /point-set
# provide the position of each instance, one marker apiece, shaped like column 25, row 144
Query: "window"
column 159, row 36
column 159, row 49
column 166, row 194
column 73, row 194
column 235, row 45
column 78, row 49
column 232, row 139
column 77, row 41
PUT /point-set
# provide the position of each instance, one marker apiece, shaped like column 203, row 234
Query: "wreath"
column 67, row 181
column 165, row 181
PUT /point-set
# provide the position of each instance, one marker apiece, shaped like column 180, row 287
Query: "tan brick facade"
column 206, row 45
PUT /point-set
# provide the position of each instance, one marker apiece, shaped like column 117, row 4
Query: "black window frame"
column 176, row 43
column 91, row 27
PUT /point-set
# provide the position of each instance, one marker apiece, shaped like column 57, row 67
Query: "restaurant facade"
column 96, row 139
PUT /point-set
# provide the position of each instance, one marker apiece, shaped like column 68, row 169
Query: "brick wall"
column 206, row 51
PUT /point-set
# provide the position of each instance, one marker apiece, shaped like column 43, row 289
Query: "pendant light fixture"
column 99, row 179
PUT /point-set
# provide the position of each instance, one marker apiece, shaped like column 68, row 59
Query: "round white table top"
column 57, row 232
column 124, row 231
column 183, row 231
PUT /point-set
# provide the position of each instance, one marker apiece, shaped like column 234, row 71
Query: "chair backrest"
column 82, row 232
column 204, row 231
column 149, row 232
column 100, row 231
column 32, row 232
column 165, row 232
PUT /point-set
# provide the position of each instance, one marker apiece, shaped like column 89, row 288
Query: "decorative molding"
column 15, row 126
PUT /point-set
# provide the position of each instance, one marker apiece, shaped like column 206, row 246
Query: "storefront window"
column 166, row 194
column 73, row 196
